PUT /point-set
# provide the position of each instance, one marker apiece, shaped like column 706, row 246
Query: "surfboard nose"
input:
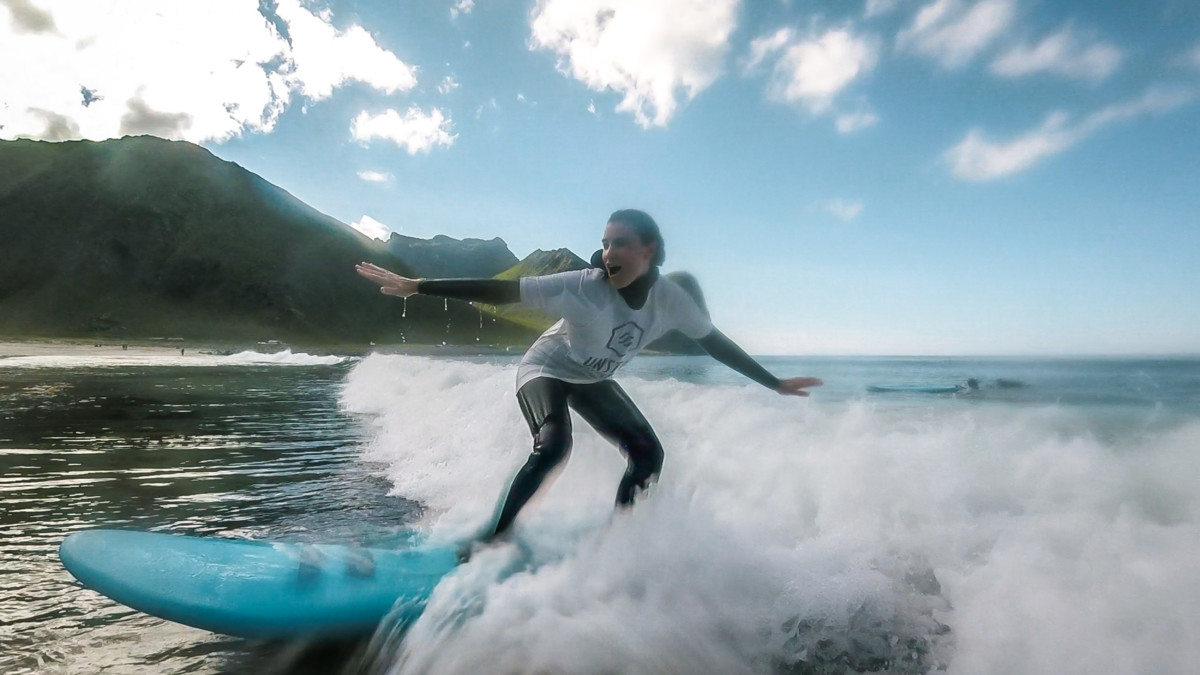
column 81, row 545
column 81, row 551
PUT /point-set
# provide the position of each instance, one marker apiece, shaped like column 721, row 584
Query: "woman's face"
column 625, row 256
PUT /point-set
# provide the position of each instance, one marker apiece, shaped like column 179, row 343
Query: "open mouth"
column 613, row 269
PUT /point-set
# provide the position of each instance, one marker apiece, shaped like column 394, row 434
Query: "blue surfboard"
column 915, row 388
column 257, row 589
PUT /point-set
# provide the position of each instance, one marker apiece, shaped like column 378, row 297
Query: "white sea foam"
column 282, row 358
column 152, row 358
column 787, row 531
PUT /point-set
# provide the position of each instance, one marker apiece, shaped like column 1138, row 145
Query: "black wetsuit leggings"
column 544, row 402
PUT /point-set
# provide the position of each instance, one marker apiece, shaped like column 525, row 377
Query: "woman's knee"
column 645, row 455
column 551, row 443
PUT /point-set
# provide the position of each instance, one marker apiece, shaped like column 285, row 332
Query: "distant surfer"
column 608, row 314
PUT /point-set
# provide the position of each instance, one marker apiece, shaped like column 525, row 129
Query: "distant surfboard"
column 916, row 388
column 256, row 589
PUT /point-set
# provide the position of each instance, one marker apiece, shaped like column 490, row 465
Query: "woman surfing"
column 608, row 314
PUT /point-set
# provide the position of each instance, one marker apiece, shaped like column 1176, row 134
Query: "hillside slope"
column 143, row 237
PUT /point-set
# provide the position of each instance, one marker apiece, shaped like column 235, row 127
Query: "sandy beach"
column 16, row 348
column 181, row 347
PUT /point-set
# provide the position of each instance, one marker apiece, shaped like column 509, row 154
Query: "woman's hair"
column 647, row 230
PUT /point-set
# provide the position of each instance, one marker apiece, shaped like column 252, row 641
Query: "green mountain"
column 142, row 237
column 444, row 257
column 544, row 262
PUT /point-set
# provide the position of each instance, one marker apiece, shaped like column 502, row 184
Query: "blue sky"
column 843, row 176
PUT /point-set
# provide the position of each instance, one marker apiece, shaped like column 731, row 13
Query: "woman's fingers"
column 795, row 386
column 390, row 283
column 377, row 274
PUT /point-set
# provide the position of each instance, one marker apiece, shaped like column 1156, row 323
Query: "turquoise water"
column 1046, row 522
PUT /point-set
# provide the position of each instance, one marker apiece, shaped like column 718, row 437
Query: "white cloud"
column 849, row 123
column 1155, row 100
column 415, row 131
column 461, row 7
column 372, row 228
column 813, row 70
column 762, row 47
column 976, row 158
column 326, row 58
column 651, row 52
column 1062, row 53
column 448, row 85
column 375, row 176
column 844, row 210
column 180, row 69
column 954, row 31
column 879, row 7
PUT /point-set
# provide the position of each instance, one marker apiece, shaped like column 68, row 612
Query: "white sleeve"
column 564, row 294
column 689, row 319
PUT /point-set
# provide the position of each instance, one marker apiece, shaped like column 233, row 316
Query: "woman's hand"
column 390, row 283
column 796, row 386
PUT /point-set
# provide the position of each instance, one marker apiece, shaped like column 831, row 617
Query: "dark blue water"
column 246, row 452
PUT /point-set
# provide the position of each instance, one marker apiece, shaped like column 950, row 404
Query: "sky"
column 946, row 177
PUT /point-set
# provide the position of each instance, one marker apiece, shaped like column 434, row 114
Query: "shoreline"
column 21, row 347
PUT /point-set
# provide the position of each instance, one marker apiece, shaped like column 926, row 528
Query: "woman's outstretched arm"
column 491, row 291
column 728, row 352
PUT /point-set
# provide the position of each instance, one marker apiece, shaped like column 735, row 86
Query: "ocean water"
column 1046, row 522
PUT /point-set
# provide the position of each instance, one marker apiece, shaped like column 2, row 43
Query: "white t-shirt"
column 599, row 332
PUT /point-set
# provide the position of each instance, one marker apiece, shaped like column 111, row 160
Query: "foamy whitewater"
column 835, row 534
column 163, row 358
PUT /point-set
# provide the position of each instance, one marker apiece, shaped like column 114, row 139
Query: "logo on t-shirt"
column 625, row 338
